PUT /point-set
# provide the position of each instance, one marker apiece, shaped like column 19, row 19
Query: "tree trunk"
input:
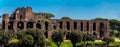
column 58, row 45
column 74, row 45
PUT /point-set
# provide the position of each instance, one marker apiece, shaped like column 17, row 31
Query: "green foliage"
column 65, row 43
column 13, row 40
column 66, row 18
column 75, row 37
column 114, row 24
column 48, row 14
column 108, row 39
column 44, row 19
column 0, row 16
column 100, row 19
column 88, row 37
column 58, row 37
column 114, row 33
column 27, row 40
column 114, row 44
column 39, row 38
column 36, row 37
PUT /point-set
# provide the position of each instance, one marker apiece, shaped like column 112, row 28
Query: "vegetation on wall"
column 66, row 18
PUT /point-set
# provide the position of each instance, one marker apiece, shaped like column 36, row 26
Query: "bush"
column 114, row 44
column 108, row 39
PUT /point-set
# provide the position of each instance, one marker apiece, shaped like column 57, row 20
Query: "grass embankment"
column 67, row 43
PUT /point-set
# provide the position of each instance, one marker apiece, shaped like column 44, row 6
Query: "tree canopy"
column 66, row 18
column 49, row 14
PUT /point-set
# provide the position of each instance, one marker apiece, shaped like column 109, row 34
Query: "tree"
column 75, row 37
column 114, row 33
column 38, row 35
column 88, row 37
column 5, row 36
column 66, row 18
column 27, row 40
column 49, row 15
column 58, row 37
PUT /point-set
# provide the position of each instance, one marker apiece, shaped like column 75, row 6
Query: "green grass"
column 66, row 43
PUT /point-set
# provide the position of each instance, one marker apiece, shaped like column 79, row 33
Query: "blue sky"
column 75, row 9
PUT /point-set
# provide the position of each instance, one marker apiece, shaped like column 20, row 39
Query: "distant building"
column 24, row 18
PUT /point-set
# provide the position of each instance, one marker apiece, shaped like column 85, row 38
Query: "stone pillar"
column 6, row 26
column 15, row 26
column 57, row 26
column 34, row 25
column 84, row 26
column 106, row 29
column 71, row 26
column 25, row 25
column 97, row 30
column 78, row 26
column 64, row 25
column 42, row 25
column 91, row 27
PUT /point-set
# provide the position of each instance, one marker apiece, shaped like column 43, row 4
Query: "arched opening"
column 87, row 26
column 20, row 25
column 46, row 25
column 20, row 16
column 38, row 25
column 10, row 25
column 95, row 34
column 94, row 26
column 81, row 26
column 54, row 27
column 101, row 30
column 30, row 24
column 46, row 34
column 68, row 25
column 75, row 25
column 67, row 35
column 3, row 24
column 60, row 26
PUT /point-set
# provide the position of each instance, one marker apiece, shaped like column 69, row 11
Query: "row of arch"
column 101, row 27
column 81, row 25
column 20, row 25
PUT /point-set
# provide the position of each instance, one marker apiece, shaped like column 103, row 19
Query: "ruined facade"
column 24, row 18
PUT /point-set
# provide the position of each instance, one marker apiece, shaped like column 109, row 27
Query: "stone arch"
column 60, row 24
column 46, row 25
column 75, row 25
column 94, row 26
column 10, row 25
column 101, row 29
column 87, row 26
column 81, row 23
column 38, row 25
column 20, row 25
column 29, row 24
column 68, row 25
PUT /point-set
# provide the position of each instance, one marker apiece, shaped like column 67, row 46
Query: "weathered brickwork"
column 24, row 18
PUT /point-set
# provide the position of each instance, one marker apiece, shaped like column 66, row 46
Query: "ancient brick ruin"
column 24, row 18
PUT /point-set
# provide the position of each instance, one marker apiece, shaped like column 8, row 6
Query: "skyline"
column 75, row 9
